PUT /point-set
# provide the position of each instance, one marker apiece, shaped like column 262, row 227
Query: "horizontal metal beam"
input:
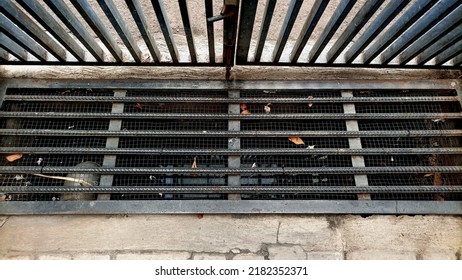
column 165, row 99
column 231, row 207
column 227, row 134
column 242, row 171
column 195, row 116
column 226, row 189
column 445, row 84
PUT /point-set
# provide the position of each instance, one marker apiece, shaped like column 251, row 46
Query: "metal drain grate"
column 353, row 142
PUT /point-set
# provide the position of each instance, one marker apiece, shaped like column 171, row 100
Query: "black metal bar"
column 13, row 48
column 246, row 23
column 439, row 46
column 286, row 27
column 421, row 26
column 114, row 16
column 275, row 151
column 449, row 53
column 210, row 32
column 76, row 27
column 53, row 27
column 287, row 116
column 394, row 207
column 93, row 20
column 312, row 20
column 231, row 14
column 411, row 15
column 24, row 22
column 187, row 30
column 360, row 19
column 438, row 31
column 21, row 38
column 337, row 18
column 228, row 134
column 143, row 26
column 143, row 99
column 166, row 29
column 272, row 171
column 377, row 25
column 266, row 21
column 228, row 189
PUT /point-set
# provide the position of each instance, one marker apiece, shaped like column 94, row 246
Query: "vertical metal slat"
column 210, row 32
column 24, row 22
column 93, row 20
column 22, row 39
column 287, row 26
column 439, row 46
column 246, row 23
column 76, row 27
column 433, row 35
column 380, row 22
column 13, row 48
column 166, row 29
column 54, row 28
column 143, row 26
column 266, row 21
column 119, row 25
column 421, row 26
column 312, row 20
column 337, row 18
column 396, row 30
column 359, row 20
column 188, row 30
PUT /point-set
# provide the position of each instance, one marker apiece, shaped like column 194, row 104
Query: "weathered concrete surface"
column 231, row 237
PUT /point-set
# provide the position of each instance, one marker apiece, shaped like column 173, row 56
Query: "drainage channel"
column 230, row 150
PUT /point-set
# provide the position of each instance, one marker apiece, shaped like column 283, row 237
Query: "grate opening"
column 405, row 142
column 56, row 160
column 294, row 108
column 417, row 196
column 176, row 93
column 167, row 196
column 369, row 125
column 403, row 93
column 284, row 143
column 315, row 179
column 30, row 180
column 434, row 107
column 412, row 160
column 292, row 125
column 288, row 94
column 173, row 143
column 172, row 161
column 177, row 125
column 169, row 180
column 33, row 197
column 54, row 107
column 64, row 124
column 179, row 107
column 55, row 142
column 60, row 91
column 295, row 161
column 415, row 179
column 301, row 196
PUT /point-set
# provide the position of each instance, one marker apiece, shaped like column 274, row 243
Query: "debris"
column 296, row 140
column 200, row 216
column 428, row 175
column 254, row 165
column 324, row 180
column 243, row 106
column 438, row 120
column 71, row 127
column 13, row 157
column 310, row 104
column 19, row 177
column 322, row 157
column 437, row 179
column 392, row 159
column 245, row 112
column 39, row 161
column 315, row 180
column 267, row 108
column 269, row 91
column 310, row 147
column 138, row 106
column 152, row 178
column 194, row 165
column 70, row 179
column 205, row 131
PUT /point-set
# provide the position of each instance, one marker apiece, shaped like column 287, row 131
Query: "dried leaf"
column 200, row 216
column 296, row 140
column 428, row 175
column 138, row 106
column 194, row 165
column 437, row 180
column 245, row 112
column 310, row 104
column 267, row 108
column 243, row 106
column 13, row 157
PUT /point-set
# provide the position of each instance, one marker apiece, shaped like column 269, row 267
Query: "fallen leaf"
column 428, row 175
column 138, row 106
column 14, row 157
column 200, row 216
column 437, row 180
column 310, row 104
column 267, row 108
column 296, row 140
column 194, row 165
column 243, row 106
column 245, row 112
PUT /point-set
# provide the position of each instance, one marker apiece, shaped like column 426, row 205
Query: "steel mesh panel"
column 288, row 94
column 298, row 108
column 300, row 196
column 177, row 125
column 169, row 180
column 369, row 125
column 403, row 93
column 173, row 143
column 433, row 107
column 414, row 179
column 417, row 196
column 176, row 93
column 60, row 92
column 66, row 124
column 412, row 160
column 74, row 107
column 173, row 161
column 403, row 142
column 293, row 125
column 176, row 108
column 295, row 161
column 167, row 196
column 315, row 179
column 284, row 143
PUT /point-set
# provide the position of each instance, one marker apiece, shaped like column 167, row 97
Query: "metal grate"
column 346, row 33
column 185, row 146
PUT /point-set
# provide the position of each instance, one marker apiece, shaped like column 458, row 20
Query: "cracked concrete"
column 231, row 237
